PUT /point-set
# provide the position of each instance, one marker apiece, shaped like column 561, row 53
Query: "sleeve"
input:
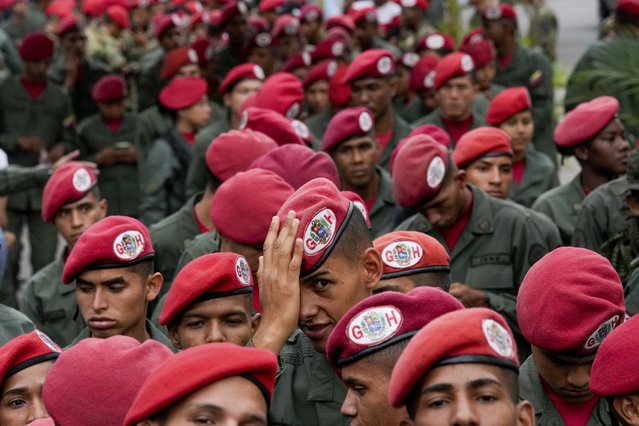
column 197, row 175
column 29, row 306
column 589, row 227
column 16, row 178
column 155, row 173
column 11, row 55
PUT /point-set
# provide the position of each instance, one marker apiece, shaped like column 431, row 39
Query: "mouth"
column 101, row 323
column 496, row 194
column 582, row 394
column 317, row 331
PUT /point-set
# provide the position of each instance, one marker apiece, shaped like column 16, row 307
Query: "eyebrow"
column 16, row 391
column 197, row 314
column 315, row 275
column 475, row 384
column 440, row 387
column 114, row 280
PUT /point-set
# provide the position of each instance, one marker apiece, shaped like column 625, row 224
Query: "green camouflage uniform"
column 540, row 175
column 12, row 324
column 543, row 31
column 103, row 47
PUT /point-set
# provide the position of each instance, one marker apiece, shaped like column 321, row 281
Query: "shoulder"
column 297, row 349
column 51, row 272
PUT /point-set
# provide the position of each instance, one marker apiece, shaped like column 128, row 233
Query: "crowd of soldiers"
column 252, row 213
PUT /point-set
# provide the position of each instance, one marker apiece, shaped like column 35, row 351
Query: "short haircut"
column 143, row 268
column 248, row 300
column 439, row 279
column 355, row 239
column 388, row 356
column 623, row 18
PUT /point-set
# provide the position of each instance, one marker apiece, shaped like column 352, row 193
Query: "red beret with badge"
column 163, row 23
column 238, row 195
column 372, row 63
column 347, row 124
column 359, row 203
column 36, row 47
column 176, row 59
column 481, row 142
column 183, row 92
column 437, row 42
column 482, row 52
column 409, row 252
column 67, row 184
column 422, row 76
column 322, row 71
column 93, row 8
column 433, row 131
column 270, row 5
column 282, row 92
column 285, row 26
column 67, row 25
column 94, row 381
column 631, row 7
column 341, row 21
column 298, row 164
column 419, row 170
column 507, row 103
column 197, row 368
column 230, row 10
column 474, row 36
column 498, row 12
column 329, row 48
column 408, row 60
column 385, row 319
column 205, row 49
column 247, row 71
column 24, row 351
column 297, row 61
column 206, row 277
column 272, row 124
column 419, row 4
column 119, row 15
column 310, row 12
column 323, row 213
column 234, row 151
column 586, row 121
column 453, row 65
column 569, row 301
column 112, row 242
column 465, row 336
column 360, row 14
column 110, row 88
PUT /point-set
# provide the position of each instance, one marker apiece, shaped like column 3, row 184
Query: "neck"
column 591, row 178
column 385, row 122
column 457, row 119
column 234, row 119
column 368, row 192
column 184, row 126
column 519, row 156
column 203, row 208
column 507, row 47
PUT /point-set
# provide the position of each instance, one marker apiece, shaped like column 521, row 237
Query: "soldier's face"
column 485, row 75
column 21, row 396
column 317, row 96
column 111, row 110
column 264, row 57
column 199, row 114
column 399, row 284
column 355, row 160
column 289, row 46
column 224, row 319
column 37, row 70
column 242, row 90
column 455, row 98
column 444, row 210
column 403, row 80
column 72, row 219
column 520, row 128
column 493, row 175
column 373, row 93
column 366, row 401
column 608, row 151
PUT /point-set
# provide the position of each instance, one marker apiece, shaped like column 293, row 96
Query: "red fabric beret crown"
column 569, row 301
column 183, row 92
column 347, row 124
column 68, row 24
column 239, row 73
column 282, row 92
column 481, row 142
column 507, row 103
column 422, row 76
column 453, row 65
column 176, row 59
column 24, row 351
column 109, row 88
column 586, row 121
column 435, row 41
column 119, row 15
column 410, row 252
column 272, row 124
column 67, row 184
column 359, row 204
column 372, row 63
column 482, row 52
column 322, row 71
column 35, row 47
column 499, row 11
column 630, row 7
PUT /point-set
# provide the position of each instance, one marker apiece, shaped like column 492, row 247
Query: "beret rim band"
column 487, row 155
column 408, row 272
column 98, row 266
column 477, row 359
column 376, row 348
column 211, row 295
column 30, row 363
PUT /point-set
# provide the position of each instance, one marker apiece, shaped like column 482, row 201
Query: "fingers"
column 287, row 242
column 269, row 242
column 296, row 262
column 260, row 277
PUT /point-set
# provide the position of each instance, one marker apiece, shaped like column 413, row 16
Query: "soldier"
column 455, row 91
column 404, row 97
column 282, row 92
column 219, row 382
column 533, row 172
column 164, row 173
column 521, row 66
column 544, row 28
column 233, row 23
column 261, row 50
column 272, row 124
column 287, row 37
column 211, row 301
column 10, row 63
column 436, row 43
column 372, row 80
column 24, row 364
column 594, row 134
column 107, row 139
column 485, row 59
column 412, row 259
column 415, row 23
column 350, row 140
column 72, row 202
column 368, row 340
column 467, row 376
column 112, row 266
column 311, row 19
column 421, row 82
column 13, row 324
column 366, row 32
column 105, row 39
column 487, row 265
column 316, row 86
column 568, row 282
column 24, row 19
column 33, row 116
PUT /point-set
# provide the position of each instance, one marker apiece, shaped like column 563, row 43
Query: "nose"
column 214, row 333
column 99, row 300
column 579, row 376
column 495, row 177
column 76, row 219
column 38, row 410
column 349, row 408
column 464, row 415
column 308, row 307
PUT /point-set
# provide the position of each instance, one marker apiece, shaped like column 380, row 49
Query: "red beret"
column 372, row 63
column 613, row 371
column 569, row 301
column 60, row 8
column 586, row 121
column 310, row 12
column 419, row 4
column 205, row 50
column 322, row 71
column 499, row 11
column 409, row 252
column 482, row 52
column 363, row 14
column 183, row 92
column 631, row 7
column 282, row 92
column 272, row 124
column 93, row 8
column 270, row 5
column 347, row 124
column 24, row 351
column 329, row 48
column 197, row 368
column 384, row 319
column 109, row 88
column 232, row 152
column 36, row 47
column 238, row 195
column 465, row 336
column 359, row 203
column 68, row 24
column 207, row 277
column 247, row 71
column 481, row 142
column 339, row 93
column 436, row 41
column 297, row 61
column 285, row 25
column 419, row 170
column 298, row 164
column 422, row 76
column 507, row 103
column 341, row 21
column 474, row 36
column 261, row 39
column 453, row 65
column 95, row 381
column 113, row 242
column 231, row 10
column 165, row 22
column 323, row 213
column 176, row 59
column 408, row 60
column 67, row 184
column 433, row 131
column 119, row 15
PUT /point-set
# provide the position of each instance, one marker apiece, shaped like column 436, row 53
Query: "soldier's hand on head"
column 279, row 282
column 468, row 296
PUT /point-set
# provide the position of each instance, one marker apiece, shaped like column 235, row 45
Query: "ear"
column 581, row 152
column 227, row 99
column 525, row 414
column 627, row 408
column 372, row 263
column 461, row 178
column 633, row 204
column 392, row 85
column 104, row 206
column 256, row 320
column 173, row 337
column 154, row 285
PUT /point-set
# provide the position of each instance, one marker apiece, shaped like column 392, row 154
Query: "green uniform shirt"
column 150, row 125
column 632, row 293
column 401, row 129
column 153, row 331
column 17, row 178
column 603, row 214
column 416, row 111
column 382, row 214
column 317, row 125
column 12, row 324
column 51, row 305
column 540, row 175
column 17, row 30
column 119, row 183
column 562, row 205
column 150, row 83
column 435, row 118
column 531, row 389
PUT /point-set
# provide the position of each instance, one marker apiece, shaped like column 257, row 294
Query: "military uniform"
column 543, row 30
column 382, row 214
column 12, row 324
column 631, row 293
column 533, row 70
column 103, row 47
column 17, row 30
column 150, row 83
column 17, row 178
column 539, row 176
column 531, row 389
column 317, row 124
column 150, row 125
column 416, row 111
column 10, row 63
column 118, row 183
column 603, row 214
column 307, row 392
column 153, row 331
column 401, row 129
column 435, row 118
column 51, row 305
column 562, row 205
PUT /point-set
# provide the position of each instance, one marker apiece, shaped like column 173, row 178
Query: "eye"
column 437, row 403
column 321, row 285
column 487, row 398
column 359, row 389
column 116, row 288
column 195, row 324
column 17, row 403
column 84, row 288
